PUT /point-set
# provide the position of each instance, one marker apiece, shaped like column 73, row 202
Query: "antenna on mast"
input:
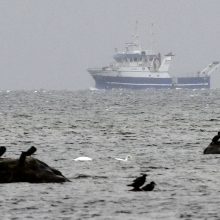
column 152, row 37
column 136, row 36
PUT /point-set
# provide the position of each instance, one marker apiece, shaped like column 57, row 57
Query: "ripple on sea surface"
column 165, row 132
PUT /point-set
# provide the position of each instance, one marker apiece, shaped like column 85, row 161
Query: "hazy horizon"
column 49, row 44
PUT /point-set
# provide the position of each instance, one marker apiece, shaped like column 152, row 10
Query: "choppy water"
column 165, row 132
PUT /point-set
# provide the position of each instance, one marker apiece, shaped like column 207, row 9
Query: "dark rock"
column 2, row 150
column 28, row 169
column 212, row 149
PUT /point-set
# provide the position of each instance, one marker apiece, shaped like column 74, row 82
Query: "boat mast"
column 136, row 37
column 152, row 37
column 135, row 41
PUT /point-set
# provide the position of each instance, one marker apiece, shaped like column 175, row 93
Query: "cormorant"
column 148, row 187
column 24, row 154
column 216, row 138
column 138, row 182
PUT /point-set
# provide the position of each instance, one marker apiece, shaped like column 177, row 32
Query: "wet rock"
column 28, row 169
column 212, row 149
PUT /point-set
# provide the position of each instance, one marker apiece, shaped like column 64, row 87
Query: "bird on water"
column 82, row 159
column 138, row 182
column 124, row 160
column 149, row 187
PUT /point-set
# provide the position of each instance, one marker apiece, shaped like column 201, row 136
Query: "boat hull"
column 108, row 82
column 193, row 82
column 117, row 82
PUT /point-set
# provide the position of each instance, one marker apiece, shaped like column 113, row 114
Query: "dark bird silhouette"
column 30, row 151
column 2, row 150
column 138, row 182
column 148, row 187
column 24, row 154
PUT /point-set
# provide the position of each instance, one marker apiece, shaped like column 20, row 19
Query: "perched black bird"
column 138, row 182
column 30, row 151
column 2, row 150
column 148, row 187
column 24, row 154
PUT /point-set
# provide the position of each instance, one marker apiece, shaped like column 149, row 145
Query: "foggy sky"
column 49, row 44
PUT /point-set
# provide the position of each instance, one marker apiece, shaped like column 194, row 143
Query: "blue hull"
column 108, row 82
column 193, row 82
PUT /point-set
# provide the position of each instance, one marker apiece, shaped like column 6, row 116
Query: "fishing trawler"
column 136, row 68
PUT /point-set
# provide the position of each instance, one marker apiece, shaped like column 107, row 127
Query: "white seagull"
column 124, row 160
column 82, row 159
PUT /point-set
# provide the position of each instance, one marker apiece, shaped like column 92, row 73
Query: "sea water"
column 164, row 131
